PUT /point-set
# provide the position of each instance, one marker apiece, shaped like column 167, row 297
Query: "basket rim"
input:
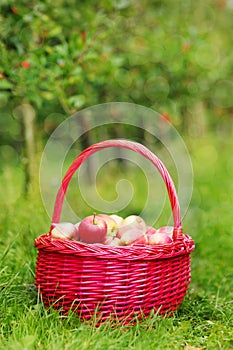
column 97, row 250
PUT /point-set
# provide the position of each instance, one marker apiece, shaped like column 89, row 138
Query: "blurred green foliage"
column 172, row 56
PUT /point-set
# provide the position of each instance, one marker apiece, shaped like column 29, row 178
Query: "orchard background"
column 174, row 57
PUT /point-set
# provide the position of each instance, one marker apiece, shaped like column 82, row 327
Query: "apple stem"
column 94, row 223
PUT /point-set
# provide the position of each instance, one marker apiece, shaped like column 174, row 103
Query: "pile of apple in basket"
column 113, row 230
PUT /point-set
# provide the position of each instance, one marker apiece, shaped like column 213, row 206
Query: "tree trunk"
column 27, row 119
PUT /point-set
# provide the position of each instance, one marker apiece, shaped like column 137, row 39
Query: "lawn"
column 205, row 318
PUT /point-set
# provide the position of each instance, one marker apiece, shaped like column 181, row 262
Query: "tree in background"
column 174, row 57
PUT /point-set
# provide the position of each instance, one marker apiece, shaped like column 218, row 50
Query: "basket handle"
column 134, row 146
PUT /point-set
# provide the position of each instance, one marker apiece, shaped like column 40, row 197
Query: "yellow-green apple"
column 159, row 238
column 64, row 230
column 92, row 229
column 133, row 236
column 117, row 218
column 116, row 242
column 112, row 241
column 108, row 240
column 132, row 222
column 166, row 229
column 112, row 226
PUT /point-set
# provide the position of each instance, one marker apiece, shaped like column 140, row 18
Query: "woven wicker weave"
column 117, row 282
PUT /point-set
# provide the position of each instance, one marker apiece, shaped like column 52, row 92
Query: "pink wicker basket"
column 114, row 282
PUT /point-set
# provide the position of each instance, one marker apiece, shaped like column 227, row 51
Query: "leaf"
column 47, row 95
column 5, row 85
column 4, row 96
column 77, row 101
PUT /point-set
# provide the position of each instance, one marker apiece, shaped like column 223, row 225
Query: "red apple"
column 159, row 238
column 64, row 230
column 132, row 222
column 150, row 231
column 166, row 229
column 25, row 64
column 133, row 236
column 112, row 226
column 92, row 229
column 141, row 240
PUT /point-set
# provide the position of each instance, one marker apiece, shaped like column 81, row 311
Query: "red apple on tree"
column 92, row 229
column 25, row 64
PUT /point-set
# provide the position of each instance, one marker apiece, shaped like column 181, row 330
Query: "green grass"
column 205, row 318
